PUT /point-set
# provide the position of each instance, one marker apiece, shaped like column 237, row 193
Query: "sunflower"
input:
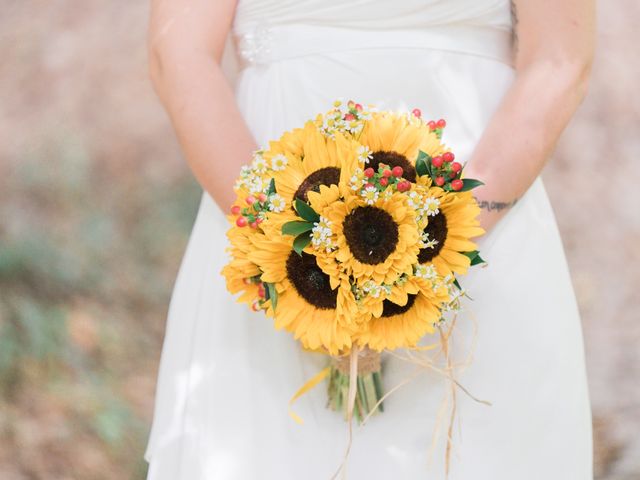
column 321, row 161
column 396, row 140
column 374, row 240
column 410, row 311
column 452, row 222
column 306, row 304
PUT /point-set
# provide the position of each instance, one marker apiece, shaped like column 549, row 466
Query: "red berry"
column 457, row 184
column 437, row 161
column 358, row 107
column 441, row 123
column 456, row 167
column 432, row 125
column 349, row 117
column 253, row 224
column 255, row 306
column 453, row 174
column 259, row 220
column 440, row 181
column 262, row 197
column 235, row 210
column 261, row 292
column 369, row 172
column 241, row 221
column 369, row 185
column 416, row 112
column 404, row 186
column 397, row 171
column 384, row 181
column 448, row 156
column 250, row 200
column 387, row 173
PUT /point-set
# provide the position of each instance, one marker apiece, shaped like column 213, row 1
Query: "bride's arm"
column 555, row 44
column 186, row 41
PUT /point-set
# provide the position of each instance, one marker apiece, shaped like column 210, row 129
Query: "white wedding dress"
column 227, row 375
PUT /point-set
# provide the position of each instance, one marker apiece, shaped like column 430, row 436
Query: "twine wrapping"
column 368, row 362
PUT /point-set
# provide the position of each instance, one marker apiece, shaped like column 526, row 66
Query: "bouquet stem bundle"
column 369, row 389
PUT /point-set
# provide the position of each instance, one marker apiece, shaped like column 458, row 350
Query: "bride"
column 507, row 77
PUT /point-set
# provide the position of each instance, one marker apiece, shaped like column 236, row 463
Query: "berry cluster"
column 437, row 127
column 384, row 177
column 444, row 169
column 254, row 213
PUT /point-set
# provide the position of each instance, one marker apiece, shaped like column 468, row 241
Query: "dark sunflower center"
column 437, row 230
column 394, row 159
column 389, row 309
column 325, row 176
column 311, row 283
column 371, row 234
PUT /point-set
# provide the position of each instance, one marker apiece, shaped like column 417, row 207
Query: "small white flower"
column 370, row 195
column 432, row 206
column 364, row 153
column 259, row 164
column 276, row 203
column 279, row 162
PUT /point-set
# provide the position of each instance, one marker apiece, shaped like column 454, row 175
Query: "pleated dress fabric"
column 226, row 375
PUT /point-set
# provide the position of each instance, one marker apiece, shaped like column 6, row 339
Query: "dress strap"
column 265, row 44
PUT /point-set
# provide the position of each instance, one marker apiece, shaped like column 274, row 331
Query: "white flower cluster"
column 423, row 205
column 357, row 180
column 322, row 235
column 426, row 242
column 428, row 272
column 455, row 297
column 346, row 118
column 372, row 289
column 251, row 181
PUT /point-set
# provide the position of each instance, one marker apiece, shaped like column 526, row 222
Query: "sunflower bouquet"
column 350, row 232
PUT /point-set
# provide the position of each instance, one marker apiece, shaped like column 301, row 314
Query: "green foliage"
column 296, row 228
column 305, row 211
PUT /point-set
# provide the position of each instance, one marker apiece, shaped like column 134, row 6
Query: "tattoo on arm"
column 514, row 23
column 493, row 206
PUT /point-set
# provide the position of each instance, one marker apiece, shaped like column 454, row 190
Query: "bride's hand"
column 186, row 42
column 554, row 51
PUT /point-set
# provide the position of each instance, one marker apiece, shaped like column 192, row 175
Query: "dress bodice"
column 272, row 30
column 374, row 14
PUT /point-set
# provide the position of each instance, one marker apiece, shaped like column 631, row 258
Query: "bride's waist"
column 264, row 44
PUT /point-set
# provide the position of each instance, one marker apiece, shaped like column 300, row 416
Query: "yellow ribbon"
column 304, row 389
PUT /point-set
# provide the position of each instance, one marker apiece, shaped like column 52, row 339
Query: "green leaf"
column 272, row 187
column 272, row 294
column 457, row 284
column 305, row 211
column 475, row 257
column 423, row 164
column 301, row 242
column 470, row 183
column 296, row 227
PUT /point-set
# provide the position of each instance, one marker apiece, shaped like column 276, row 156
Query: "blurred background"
column 96, row 206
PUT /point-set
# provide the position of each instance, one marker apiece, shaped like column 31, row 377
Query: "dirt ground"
column 96, row 206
